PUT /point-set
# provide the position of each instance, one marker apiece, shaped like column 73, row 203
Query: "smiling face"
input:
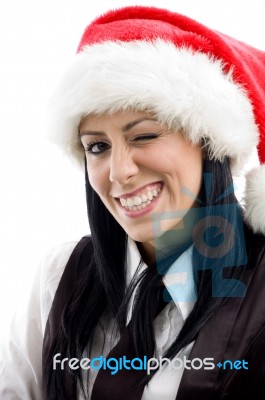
column 138, row 168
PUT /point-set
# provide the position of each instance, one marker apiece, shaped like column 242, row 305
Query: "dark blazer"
column 235, row 332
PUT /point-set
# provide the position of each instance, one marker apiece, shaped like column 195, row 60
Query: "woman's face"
column 138, row 168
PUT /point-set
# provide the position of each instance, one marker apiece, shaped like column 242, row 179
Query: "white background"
column 42, row 197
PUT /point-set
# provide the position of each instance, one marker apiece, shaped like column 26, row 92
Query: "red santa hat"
column 191, row 77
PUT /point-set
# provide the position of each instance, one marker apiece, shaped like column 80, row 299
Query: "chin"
column 141, row 235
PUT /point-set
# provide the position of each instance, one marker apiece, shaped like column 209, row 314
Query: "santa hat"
column 188, row 75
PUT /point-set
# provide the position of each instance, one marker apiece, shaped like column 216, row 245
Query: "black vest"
column 126, row 383
column 236, row 331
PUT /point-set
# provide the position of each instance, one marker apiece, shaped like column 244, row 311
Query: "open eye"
column 96, row 147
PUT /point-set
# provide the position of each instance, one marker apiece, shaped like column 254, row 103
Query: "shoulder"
column 252, row 310
column 55, row 260
column 20, row 350
column 249, row 307
column 243, row 320
column 54, row 264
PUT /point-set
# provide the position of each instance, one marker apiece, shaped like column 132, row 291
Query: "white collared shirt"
column 180, row 284
column 20, row 355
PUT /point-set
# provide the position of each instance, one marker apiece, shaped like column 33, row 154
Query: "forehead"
column 117, row 120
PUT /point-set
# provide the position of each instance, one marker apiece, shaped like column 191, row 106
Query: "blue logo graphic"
column 215, row 234
column 232, row 365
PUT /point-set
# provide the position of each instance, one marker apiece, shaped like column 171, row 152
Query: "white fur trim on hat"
column 255, row 199
column 181, row 87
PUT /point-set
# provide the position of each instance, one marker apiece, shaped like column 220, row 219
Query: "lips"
column 140, row 199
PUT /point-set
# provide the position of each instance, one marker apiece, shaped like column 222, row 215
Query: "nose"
column 123, row 165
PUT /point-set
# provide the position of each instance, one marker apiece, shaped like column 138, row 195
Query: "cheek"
column 97, row 179
column 182, row 163
column 191, row 173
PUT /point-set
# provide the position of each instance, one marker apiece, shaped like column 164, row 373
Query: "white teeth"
column 140, row 202
column 144, row 198
column 137, row 200
column 130, row 202
column 149, row 195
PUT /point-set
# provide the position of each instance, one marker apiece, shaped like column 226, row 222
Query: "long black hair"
column 104, row 285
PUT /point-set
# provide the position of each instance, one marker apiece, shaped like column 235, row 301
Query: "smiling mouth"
column 141, row 200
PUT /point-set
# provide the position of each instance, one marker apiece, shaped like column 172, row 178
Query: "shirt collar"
column 178, row 279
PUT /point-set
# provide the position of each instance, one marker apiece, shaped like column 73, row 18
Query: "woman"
column 165, row 300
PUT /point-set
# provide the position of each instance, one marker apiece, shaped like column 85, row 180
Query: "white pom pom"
column 255, row 199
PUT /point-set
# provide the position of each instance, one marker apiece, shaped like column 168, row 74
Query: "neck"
column 171, row 241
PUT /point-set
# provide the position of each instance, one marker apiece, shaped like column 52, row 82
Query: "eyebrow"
column 124, row 129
